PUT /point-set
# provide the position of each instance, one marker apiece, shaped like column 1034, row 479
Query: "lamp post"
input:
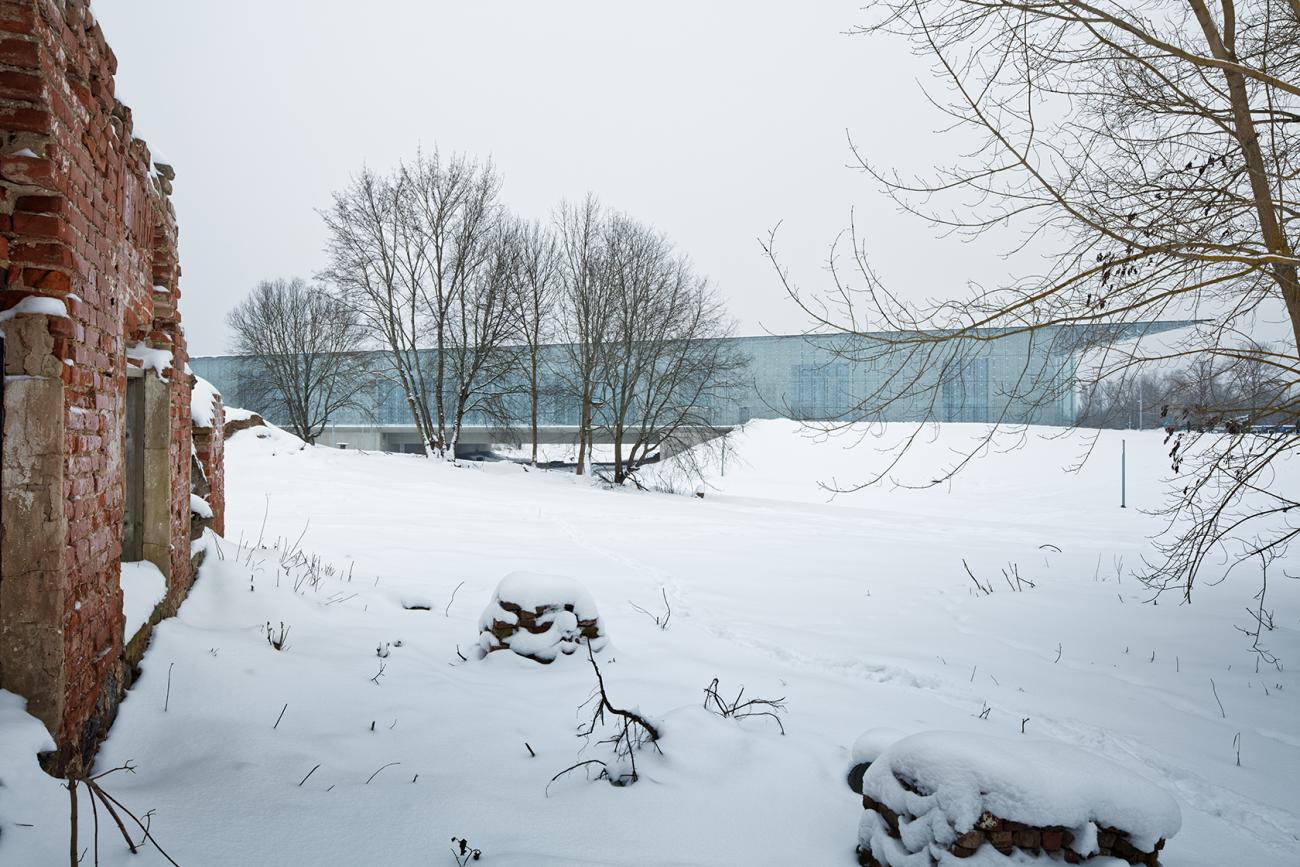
column 1123, row 474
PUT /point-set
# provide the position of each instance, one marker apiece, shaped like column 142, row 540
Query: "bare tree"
column 482, row 361
column 305, row 351
column 1260, row 390
column 1151, row 150
column 663, row 360
column 585, row 309
column 377, row 270
column 404, row 250
column 534, row 290
column 453, row 214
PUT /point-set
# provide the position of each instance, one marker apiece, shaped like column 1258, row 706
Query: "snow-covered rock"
column 540, row 617
column 936, row 796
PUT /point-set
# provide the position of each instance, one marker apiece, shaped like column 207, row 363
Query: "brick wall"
column 209, row 447
column 86, row 218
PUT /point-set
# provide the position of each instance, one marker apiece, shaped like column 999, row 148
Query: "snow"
column 857, row 612
column 1038, row 782
column 559, row 603
column 143, row 587
column 235, row 413
column 533, row 590
column 148, row 358
column 39, row 304
column 199, row 506
column 202, row 400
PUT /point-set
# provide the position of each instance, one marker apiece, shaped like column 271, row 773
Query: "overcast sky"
column 712, row 121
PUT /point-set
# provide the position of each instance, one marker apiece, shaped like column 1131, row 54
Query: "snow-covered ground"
column 857, row 612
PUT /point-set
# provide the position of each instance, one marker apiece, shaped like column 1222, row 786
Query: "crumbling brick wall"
column 85, row 219
column 209, row 448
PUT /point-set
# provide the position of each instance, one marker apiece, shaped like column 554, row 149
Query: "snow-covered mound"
column 252, row 427
column 540, row 617
column 939, row 794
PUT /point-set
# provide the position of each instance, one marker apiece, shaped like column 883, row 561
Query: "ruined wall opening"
column 146, row 561
column 133, row 470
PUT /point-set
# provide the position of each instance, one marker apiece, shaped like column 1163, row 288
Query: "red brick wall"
column 87, row 219
column 210, row 446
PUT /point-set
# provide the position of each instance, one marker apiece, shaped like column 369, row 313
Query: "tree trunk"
column 533, row 397
column 1247, row 136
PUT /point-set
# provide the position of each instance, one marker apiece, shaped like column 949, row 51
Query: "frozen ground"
column 857, row 612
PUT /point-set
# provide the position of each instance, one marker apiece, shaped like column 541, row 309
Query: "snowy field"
column 857, row 612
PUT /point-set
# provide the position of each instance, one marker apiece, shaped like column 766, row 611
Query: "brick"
column 22, row 118
column 17, row 18
column 15, row 84
column 42, row 253
column 38, row 225
column 40, row 204
column 20, row 52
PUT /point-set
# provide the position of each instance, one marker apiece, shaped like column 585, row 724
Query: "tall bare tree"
column 1151, row 148
column 453, row 214
column 663, row 360
column 534, row 289
column 376, row 270
column 586, row 310
column 404, row 250
column 305, row 350
column 482, row 357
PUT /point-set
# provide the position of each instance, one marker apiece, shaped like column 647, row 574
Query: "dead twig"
column 738, row 708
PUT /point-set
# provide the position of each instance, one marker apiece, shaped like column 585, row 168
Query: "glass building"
column 989, row 375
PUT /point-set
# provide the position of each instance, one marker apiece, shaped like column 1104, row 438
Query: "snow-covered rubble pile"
column 540, row 617
column 936, row 796
column 238, row 419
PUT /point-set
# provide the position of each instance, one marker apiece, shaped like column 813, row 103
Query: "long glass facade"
column 990, row 376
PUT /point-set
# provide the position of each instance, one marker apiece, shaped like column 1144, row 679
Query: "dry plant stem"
column 447, row 611
column 108, row 799
column 738, row 709
column 72, row 838
column 376, row 773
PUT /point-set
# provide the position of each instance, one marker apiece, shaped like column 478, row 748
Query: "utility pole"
column 1123, row 474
